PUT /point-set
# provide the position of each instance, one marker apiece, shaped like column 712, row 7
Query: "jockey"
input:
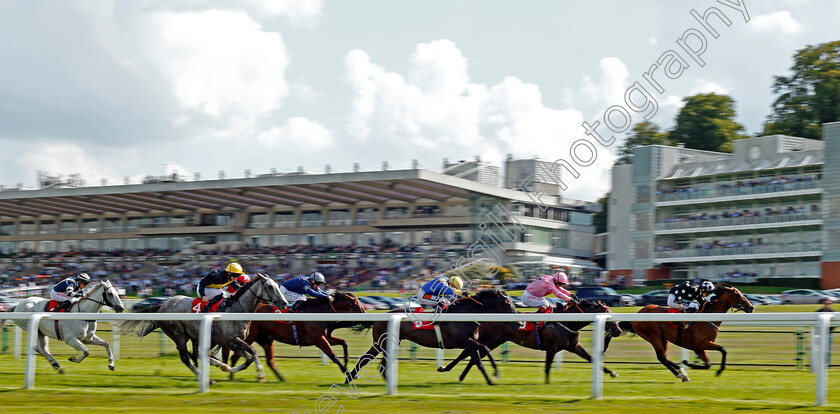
column 684, row 297
column 535, row 292
column 238, row 283
column 296, row 289
column 441, row 291
column 70, row 290
column 707, row 290
column 213, row 285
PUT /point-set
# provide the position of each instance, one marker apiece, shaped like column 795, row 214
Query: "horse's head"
column 111, row 297
column 265, row 289
column 592, row 306
column 347, row 303
column 732, row 298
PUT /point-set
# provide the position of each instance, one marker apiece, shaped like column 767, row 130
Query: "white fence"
column 819, row 321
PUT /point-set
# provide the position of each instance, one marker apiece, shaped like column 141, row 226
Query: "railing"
column 738, row 221
column 693, row 194
column 820, row 321
column 740, row 250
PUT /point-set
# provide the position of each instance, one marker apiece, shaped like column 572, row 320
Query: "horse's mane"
column 588, row 303
column 484, row 294
column 241, row 291
column 721, row 287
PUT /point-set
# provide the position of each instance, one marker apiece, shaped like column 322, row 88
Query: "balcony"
column 758, row 191
column 769, row 220
column 769, row 251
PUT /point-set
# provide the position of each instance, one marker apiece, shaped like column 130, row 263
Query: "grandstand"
column 359, row 227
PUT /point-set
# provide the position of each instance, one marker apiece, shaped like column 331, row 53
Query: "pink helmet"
column 560, row 277
column 243, row 279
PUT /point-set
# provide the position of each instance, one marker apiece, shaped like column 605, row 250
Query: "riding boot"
column 685, row 325
column 293, row 307
column 210, row 304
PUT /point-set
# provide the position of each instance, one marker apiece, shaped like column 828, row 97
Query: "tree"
column 706, row 122
column 599, row 219
column 810, row 96
column 643, row 133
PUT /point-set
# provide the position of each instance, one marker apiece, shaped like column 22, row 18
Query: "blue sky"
column 114, row 89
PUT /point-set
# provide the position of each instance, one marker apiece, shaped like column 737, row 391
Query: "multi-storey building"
column 415, row 207
column 768, row 210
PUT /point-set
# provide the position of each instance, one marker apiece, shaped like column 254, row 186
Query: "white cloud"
column 64, row 158
column 776, row 22
column 305, row 92
column 435, row 109
column 299, row 12
column 220, row 65
column 703, row 86
column 299, row 134
column 610, row 87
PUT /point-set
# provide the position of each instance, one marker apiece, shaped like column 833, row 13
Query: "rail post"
column 598, row 326
column 800, row 349
column 558, row 361
column 5, row 339
column 31, row 345
column 505, row 352
column 439, row 357
column 162, row 341
column 391, row 349
column 204, row 352
column 18, row 339
column 821, row 358
column 115, row 342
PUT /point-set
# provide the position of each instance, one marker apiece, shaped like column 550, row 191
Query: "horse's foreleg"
column 370, row 355
column 701, row 353
column 579, row 350
column 464, row 353
column 476, row 357
column 338, row 341
column 722, row 358
column 95, row 340
column 43, row 348
column 241, row 348
column 268, row 348
column 549, row 358
column 76, row 343
column 324, row 345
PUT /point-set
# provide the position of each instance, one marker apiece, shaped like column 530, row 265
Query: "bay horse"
column 698, row 337
column 463, row 335
column 553, row 336
column 304, row 333
column 230, row 334
column 75, row 333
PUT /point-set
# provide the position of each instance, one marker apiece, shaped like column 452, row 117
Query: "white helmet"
column 317, row 277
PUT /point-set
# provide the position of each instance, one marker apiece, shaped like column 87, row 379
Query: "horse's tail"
column 346, row 324
column 140, row 327
column 3, row 321
column 626, row 327
column 362, row 326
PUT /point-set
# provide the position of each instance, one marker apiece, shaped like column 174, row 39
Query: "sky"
column 115, row 90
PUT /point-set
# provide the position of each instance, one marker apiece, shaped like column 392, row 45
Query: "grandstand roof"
column 263, row 191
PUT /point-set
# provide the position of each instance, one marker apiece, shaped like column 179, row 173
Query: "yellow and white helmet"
column 456, row 282
column 234, row 268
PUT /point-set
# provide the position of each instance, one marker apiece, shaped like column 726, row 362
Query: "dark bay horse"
column 553, row 337
column 699, row 337
column 226, row 333
column 317, row 333
column 459, row 335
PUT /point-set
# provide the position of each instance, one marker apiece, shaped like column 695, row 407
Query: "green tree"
column 810, row 96
column 643, row 133
column 706, row 122
column 599, row 219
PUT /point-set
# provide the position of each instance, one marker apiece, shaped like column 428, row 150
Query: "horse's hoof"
column 72, row 359
column 497, row 375
column 440, row 369
column 685, row 379
column 60, row 370
column 717, row 374
column 111, row 367
column 613, row 375
column 211, row 382
column 261, row 379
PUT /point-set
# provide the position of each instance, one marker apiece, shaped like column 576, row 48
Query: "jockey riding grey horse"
column 229, row 334
column 72, row 332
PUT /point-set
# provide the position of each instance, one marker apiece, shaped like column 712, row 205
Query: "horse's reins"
column 88, row 298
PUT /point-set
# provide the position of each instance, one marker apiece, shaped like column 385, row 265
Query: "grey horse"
column 229, row 334
column 73, row 333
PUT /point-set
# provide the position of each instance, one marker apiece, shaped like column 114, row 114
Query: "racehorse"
column 302, row 333
column 698, row 337
column 229, row 334
column 553, row 336
column 75, row 333
column 463, row 335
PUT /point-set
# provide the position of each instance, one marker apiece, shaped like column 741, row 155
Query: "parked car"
column 756, row 300
column 393, row 303
column 145, row 303
column 803, row 296
column 517, row 301
column 516, row 286
column 835, row 293
column 772, row 299
column 655, row 297
column 372, row 304
column 605, row 294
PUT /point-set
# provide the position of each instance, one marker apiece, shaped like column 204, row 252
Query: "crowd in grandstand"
column 746, row 213
column 738, row 185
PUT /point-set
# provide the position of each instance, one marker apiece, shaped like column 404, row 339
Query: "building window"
column 7, row 228
column 48, row 227
column 396, row 212
column 112, row 225
column 581, row 218
column 311, row 218
column 366, row 215
column 339, row 218
column 284, row 219
column 560, row 239
column 90, row 225
column 643, row 194
column 27, row 228
column 641, row 249
column 258, row 221
column 225, row 219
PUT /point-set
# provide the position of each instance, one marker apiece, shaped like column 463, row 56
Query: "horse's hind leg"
column 268, row 348
column 580, row 351
column 464, row 354
column 76, row 343
column 722, row 350
column 43, row 348
column 324, row 345
column 242, row 348
column 338, row 341
column 95, row 340
column 701, row 353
